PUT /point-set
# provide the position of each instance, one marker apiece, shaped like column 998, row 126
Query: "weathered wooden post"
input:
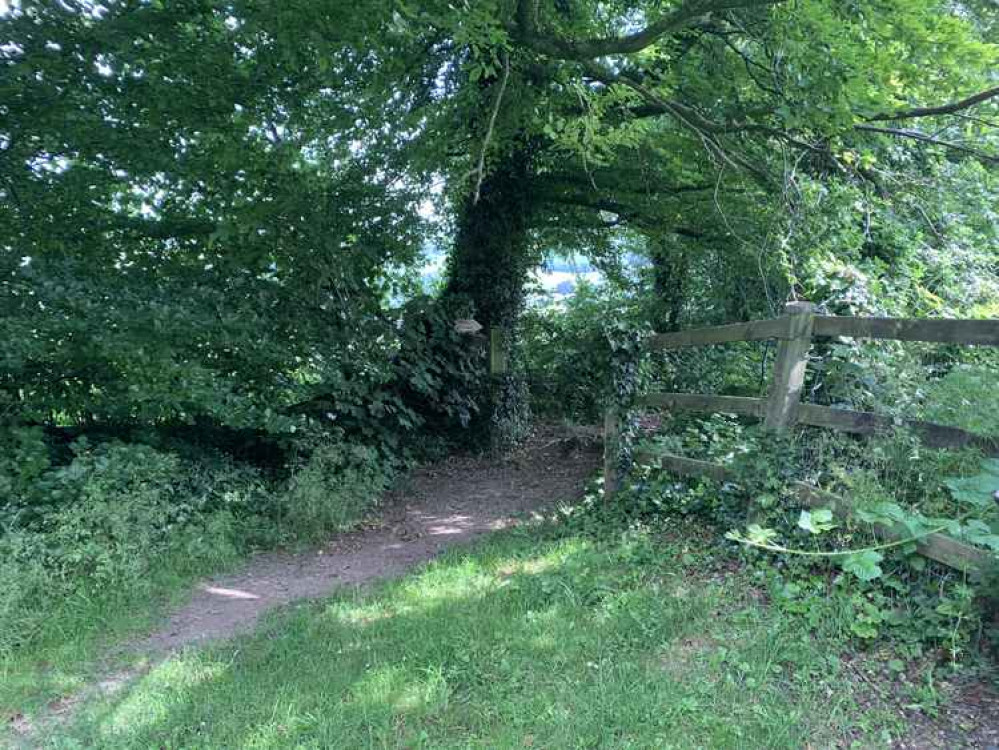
column 789, row 368
column 612, row 449
column 781, row 409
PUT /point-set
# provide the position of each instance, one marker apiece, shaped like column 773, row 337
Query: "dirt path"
column 449, row 503
column 439, row 506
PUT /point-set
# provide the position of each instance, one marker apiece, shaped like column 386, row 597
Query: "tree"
column 226, row 187
column 697, row 124
column 197, row 216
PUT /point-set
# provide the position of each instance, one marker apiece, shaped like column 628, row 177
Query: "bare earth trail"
column 439, row 506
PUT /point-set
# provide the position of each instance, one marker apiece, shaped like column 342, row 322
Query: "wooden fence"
column 782, row 408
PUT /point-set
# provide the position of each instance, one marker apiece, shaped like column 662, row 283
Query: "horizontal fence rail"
column 941, row 331
column 783, row 408
column 934, row 330
column 688, row 467
column 940, row 547
column 868, row 423
column 752, row 407
column 845, row 420
column 754, row 330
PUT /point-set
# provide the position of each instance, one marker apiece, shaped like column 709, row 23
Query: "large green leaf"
column 864, row 565
column 816, row 521
column 981, row 490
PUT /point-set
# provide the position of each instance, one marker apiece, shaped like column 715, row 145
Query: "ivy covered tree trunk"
column 488, row 266
column 669, row 274
column 489, row 262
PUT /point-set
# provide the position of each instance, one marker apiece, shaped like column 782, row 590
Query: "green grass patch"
column 73, row 640
column 525, row 641
column 93, row 551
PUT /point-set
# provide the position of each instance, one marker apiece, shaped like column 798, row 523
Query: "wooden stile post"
column 612, row 449
column 789, row 368
column 781, row 410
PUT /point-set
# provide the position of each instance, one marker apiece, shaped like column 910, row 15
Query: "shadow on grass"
column 514, row 644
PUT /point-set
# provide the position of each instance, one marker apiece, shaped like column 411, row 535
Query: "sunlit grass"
column 81, row 631
column 524, row 642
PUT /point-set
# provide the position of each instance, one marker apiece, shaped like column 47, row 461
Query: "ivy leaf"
column 816, row 521
column 864, row 565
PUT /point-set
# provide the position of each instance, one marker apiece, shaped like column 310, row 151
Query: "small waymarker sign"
column 467, row 325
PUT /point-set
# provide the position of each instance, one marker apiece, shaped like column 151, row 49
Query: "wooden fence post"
column 612, row 450
column 789, row 367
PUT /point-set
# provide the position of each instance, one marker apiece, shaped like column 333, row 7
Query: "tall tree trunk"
column 489, row 262
column 488, row 266
column 669, row 269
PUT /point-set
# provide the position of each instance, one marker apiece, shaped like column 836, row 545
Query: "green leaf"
column 766, row 501
column 816, row 521
column 979, row 532
column 979, row 490
column 758, row 535
column 864, row 629
column 864, row 565
column 884, row 513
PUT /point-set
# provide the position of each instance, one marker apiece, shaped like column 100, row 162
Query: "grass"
column 78, row 630
column 527, row 640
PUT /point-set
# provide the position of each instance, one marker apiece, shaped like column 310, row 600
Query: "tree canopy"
column 208, row 208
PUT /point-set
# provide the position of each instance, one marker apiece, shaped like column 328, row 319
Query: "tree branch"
column 618, row 180
column 626, row 214
column 588, row 49
column 481, row 167
column 943, row 109
column 917, row 136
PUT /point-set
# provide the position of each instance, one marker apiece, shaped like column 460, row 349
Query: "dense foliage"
column 212, row 217
column 810, row 555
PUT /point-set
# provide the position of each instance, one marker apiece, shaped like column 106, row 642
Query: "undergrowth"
column 92, row 548
column 813, row 553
